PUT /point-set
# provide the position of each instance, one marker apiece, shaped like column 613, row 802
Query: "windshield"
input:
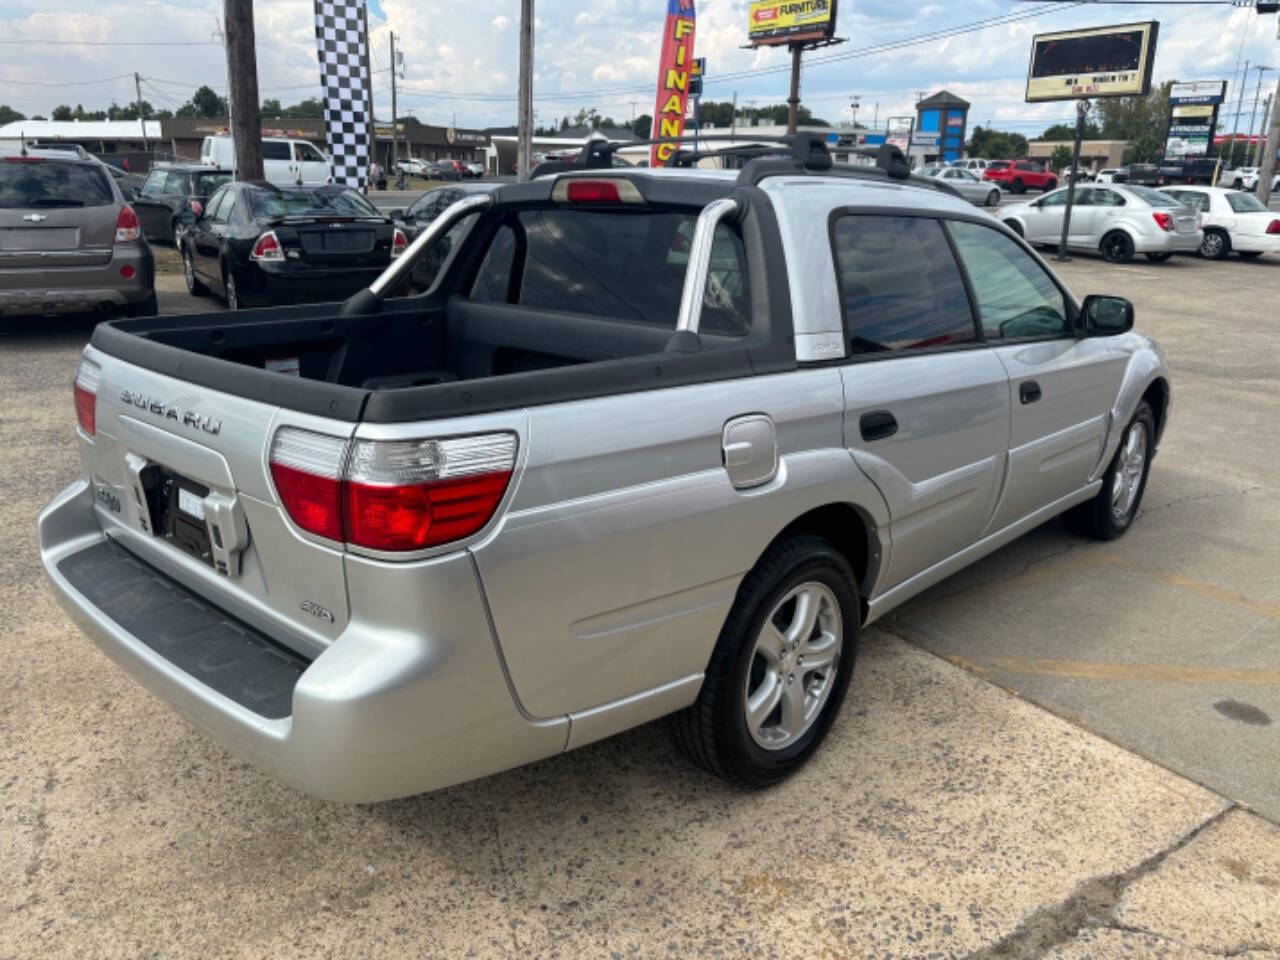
column 322, row 202
column 206, row 183
column 1154, row 198
column 35, row 182
column 1246, row 203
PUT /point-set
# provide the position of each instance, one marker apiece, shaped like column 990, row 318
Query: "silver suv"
column 655, row 441
column 69, row 242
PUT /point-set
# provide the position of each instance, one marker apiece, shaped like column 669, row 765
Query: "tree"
column 642, row 126
column 207, row 103
column 9, row 115
column 1148, row 148
column 996, row 144
column 1066, row 131
column 130, row 111
column 271, row 108
column 61, row 112
column 1060, row 159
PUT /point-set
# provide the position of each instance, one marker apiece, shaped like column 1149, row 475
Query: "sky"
column 461, row 58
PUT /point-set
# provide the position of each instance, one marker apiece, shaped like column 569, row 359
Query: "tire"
column 1015, row 226
column 1248, row 254
column 147, row 308
column 715, row 732
column 175, row 231
column 231, row 290
column 194, row 286
column 993, row 198
column 1237, row 184
column 1101, row 517
column 1158, row 257
column 1017, row 187
column 1051, row 185
column 1116, row 247
column 1215, row 245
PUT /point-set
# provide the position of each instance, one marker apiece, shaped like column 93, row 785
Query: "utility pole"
column 395, row 135
column 733, row 119
column 1255, row 160
column 242, row 67
column 1251, row 149
column 142, row 117
column 1082, row 111
column 524, row 129
column 793, row 101
column 1268, row 165
column 221, row 36
column 1231, row 144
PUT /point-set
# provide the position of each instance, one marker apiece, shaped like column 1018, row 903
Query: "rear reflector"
column 1163, row 220
column 85, row 390
column 127, row 225
column 398, row 495
column 267, row 248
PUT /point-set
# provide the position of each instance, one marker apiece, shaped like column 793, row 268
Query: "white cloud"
column 501, row 22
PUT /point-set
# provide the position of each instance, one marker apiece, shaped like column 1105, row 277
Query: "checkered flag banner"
column 341, row 42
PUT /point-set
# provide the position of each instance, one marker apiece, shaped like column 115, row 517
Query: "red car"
column 1017, row 175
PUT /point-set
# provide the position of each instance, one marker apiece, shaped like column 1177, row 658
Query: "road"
column 946, row 816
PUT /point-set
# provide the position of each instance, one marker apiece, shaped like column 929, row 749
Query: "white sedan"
column 1117, row 220
column 1245, row 178
column 1233, row 221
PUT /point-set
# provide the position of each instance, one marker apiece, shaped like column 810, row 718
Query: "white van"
column 285, row 162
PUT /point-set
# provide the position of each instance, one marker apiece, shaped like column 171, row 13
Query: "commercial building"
column 942, row 124
column 1095, row 155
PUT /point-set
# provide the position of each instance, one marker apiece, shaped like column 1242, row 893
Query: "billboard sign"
column 898, row 132
column 1193, row 117
column 773, row 22
column 1097, row 62
column 675, row 71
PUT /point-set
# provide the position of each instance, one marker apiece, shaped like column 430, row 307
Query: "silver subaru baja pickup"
column 655, row 442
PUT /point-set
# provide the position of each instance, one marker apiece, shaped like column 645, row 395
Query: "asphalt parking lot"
column 1068, row 750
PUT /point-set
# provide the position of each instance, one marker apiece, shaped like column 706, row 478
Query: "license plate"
column 190, row 504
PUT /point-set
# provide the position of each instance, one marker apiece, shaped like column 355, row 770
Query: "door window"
column 154, row 184
column 1016, row 296
column 900, row 286
column 307, row 153
column 176, row 183
column 275, row 150
column 1058, row 199
column 1107, row 198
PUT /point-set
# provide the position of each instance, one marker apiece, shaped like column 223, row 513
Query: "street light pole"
column 1253, row 112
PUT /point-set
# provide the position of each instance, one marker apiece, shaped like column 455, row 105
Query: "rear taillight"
column 85, row 390
column 267, row 248
column 391, row 495
column 399, row 242
column 127, row 229
column 578, row 190
column 1273, row 226
column 307, row 470
column 197, row 207
column 1163, row 220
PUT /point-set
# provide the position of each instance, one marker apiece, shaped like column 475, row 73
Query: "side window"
column 1107, row 198
column 1016, row 297
column 211, row 209
column 154, row 184
column 177, row 183
column 275, row 150
column 308, row 153
column 222, row 212
column 899, row 284
column 1199, row 201
column 493, row 281
column 1058, row 199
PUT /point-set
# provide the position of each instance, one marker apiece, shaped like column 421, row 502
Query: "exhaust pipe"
column 106, row 308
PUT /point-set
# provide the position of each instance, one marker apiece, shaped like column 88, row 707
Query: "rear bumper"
column 1164, row 242
column 1253, row 243
column 272, row 287
column 411, row 697
column 53, row 290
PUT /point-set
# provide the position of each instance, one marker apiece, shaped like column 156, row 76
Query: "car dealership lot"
column 944, row 816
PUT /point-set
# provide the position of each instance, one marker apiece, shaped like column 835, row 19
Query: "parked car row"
column 440, row 169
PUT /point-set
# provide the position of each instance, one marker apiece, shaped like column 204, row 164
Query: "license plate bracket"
column 176, row 505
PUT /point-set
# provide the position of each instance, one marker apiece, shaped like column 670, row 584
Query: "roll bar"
column 695, row 277
column 403, row 264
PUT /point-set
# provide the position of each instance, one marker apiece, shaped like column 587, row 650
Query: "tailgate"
column 180, row 479
column 57, row 236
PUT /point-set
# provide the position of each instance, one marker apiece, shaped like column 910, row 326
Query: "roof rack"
column 803, row 152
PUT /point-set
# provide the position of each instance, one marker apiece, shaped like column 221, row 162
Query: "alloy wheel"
column 793, row 666
column 1211, row 245
column 1128, row 476
column 233, row 296
column 189, row 272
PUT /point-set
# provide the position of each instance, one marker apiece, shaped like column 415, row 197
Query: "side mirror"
column 133, row 193
column 398, row 214
column 1104, row 316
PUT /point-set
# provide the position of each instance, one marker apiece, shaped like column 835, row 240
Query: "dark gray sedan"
column 970, row 186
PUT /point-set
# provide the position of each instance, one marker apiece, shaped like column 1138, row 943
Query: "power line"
column 37, row 42
column 68, row 83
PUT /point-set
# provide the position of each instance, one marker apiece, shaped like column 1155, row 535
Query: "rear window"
column 1245, row 203
column 206, row 183
column 620, row 264
column 45, row 183
column 323, row 202
column 1153, row 198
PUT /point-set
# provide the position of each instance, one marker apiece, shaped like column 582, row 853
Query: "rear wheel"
column 780, row 667
column 1051, row 185
column 1111, row 512
column 1017, row 186
column 993, row 198
column 1158, row 257
column 232, row 291
column 1116, row 247
column 194, row 286
column 1215, row 245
